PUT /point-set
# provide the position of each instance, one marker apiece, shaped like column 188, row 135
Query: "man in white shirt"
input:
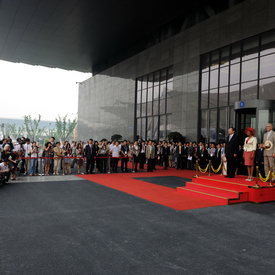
column 27, row 147
column 4, row 172
column 115, row 154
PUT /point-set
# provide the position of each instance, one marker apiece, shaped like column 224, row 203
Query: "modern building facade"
column 220, row 72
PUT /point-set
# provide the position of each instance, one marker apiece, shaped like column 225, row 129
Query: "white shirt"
column 3, row 166
column 115, row 151
column 27, row 148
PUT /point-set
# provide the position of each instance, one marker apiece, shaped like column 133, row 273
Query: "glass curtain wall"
column 154, row 104
column 242, row 71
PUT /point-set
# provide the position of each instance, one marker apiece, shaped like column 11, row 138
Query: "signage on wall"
column 241, row 104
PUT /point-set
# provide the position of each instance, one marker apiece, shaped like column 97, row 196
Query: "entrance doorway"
column 245, row 118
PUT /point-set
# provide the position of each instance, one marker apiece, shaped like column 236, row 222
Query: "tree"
column 176, row 137
column 64, row 129
column 15, row 132
column 32, row 127
column 116, row 137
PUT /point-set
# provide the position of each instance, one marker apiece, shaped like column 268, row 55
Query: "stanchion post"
column 197, row 164
column 271, row 176
column 109, row 164
column 257, row 186
column 209, row 171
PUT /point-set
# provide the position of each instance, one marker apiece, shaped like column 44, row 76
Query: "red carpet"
column 158, row 194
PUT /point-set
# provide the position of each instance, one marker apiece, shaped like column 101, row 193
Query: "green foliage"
column 116, row 137
column 32, row 127
column 176, row 137
column 64, row 129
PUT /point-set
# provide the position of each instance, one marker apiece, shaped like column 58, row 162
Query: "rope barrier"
column 264, row 179
column 216, row 170
column 203, row 170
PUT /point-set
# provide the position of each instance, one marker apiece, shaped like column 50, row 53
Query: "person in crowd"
column 150, row 156
column 90, row 156
column 67, row 159
column 223, row 157
column 27, row 149
column 124, row 154
column 259, row 159
column 115, row 150
column 172, row 155
column 231, row 152
column 269, row 149
column 97, row 160
column 203, row 157
column 103, row 153
column 58, row 156
column 73, row 147
column 165, row 155
column 190, row 151
column 34, row 157
column 250, row 145
column 4, row 172
column 179, row 153
column 217, row 159
column 142, row 155
column 135, row 153
column 240, row 161
column 212, row 153
column 80, row 156
column 48, row 157
column 156, row 156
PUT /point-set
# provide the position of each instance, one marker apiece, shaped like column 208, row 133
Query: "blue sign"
column 241, row 104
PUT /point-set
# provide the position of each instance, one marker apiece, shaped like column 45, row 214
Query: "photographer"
column 4, row 172
column 34, row 155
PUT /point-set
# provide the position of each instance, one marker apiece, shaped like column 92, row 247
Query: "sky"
column 33, row 90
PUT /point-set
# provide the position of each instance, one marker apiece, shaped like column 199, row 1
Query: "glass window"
column 235, row 53
column 169, row 102
column 150, row 94
column 205, row 62
column 156, row 92
column 143, row 128
column 223, row 96
column 267, row 66
column 204, row 81
column 224, row 72
column 138, row 97
column 267, row 88
column 144, row 97
column 139, row 84
column 249, row 90
column 213, row 125
column 234, row 94
column 149, row 108
column 162, row 106
column 250, row 70
column 156, row 127
column 235, row 74
column 169, row 87
column 224, row 57
column 214, row 60
column 264, row 118
column 150, row 80
column 204, row 125
column 139, row 126
column 155, row 107
column 214, row 77
column 138, row 110
column 213, row 98
column 222, row 125
column 250, row 48
column 156, row 78
column 149, row 127
column 204, row 99
column 168, row 125
column 143, row 109
column 163, row 76
column 163, row 91
column 231, row 117
column 144, row 82
column 268, row 44
column 162, row 127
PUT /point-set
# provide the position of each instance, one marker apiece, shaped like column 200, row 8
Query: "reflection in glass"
column 155, row 107
column 144, row 82
column 231, row 117
column 250, row 70
column 139, row 126
column 204, row 99
column 224, row 76
column 214, row 60
column 234, row 94
column 139, row 84
column 264, row 116
column 267, row 66
column 250, row 48
column 223, row 96
column 267, row 88
column 224, row 56
column 149, row 127
column 138, row 110
column 204, row 125
column 235, row 74
column 162, row 127
column 163, row 91
column 138, row 97
column 143, row 128
column 156, row 127
column 222, row 125
column 150, row 94
column 149, row 108
column 235, row 53
column 268, row 43
column 162, row 106
column 143, row 109
column 213, row 98
column 214, row 77
column 150, row 80
column 169, row 87
column 168, row 125
column 144, row 97
column 169, row 102
column 156, row 92
column 163, row 76
column 204, row 81
column 213, row 125
column 249, row 90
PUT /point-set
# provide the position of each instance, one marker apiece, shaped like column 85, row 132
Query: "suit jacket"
column 190, row 150
column 183, row 151
column 166, row 151
column 232, row 146
column 259, row 156
column 218, row 154
column 269, row 153
column 153, row 152
column 90, row 152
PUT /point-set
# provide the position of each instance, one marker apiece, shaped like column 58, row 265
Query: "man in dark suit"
column 217, row 160
column 259, row 159
column 90, row 154
column 179, row 153
column 231, row 152
column 150, row 155
column 165, row 155
column 124, row 153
